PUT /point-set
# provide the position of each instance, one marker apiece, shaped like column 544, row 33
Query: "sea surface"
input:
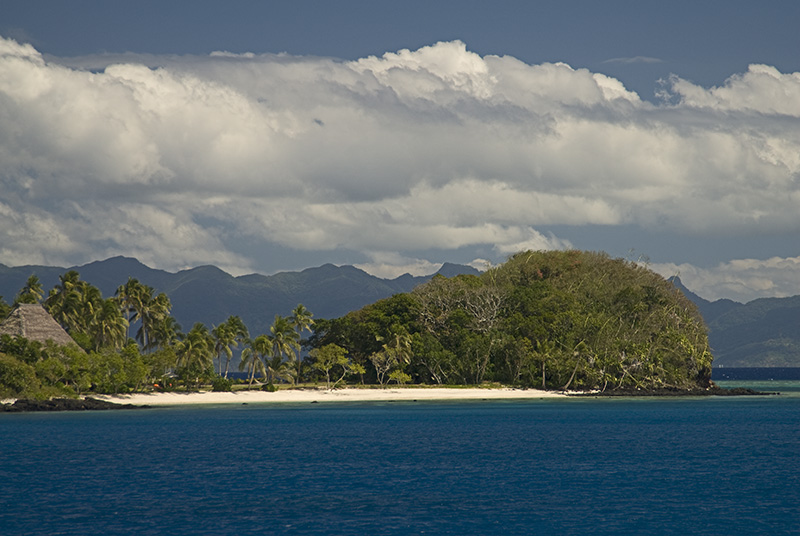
column 717, row 466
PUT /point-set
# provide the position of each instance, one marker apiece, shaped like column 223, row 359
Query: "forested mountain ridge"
column 209, row 295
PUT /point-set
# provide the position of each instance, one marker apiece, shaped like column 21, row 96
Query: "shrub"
column 17, row 378
column 220, row 384
column 400, row 377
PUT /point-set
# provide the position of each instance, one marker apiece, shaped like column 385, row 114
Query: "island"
column 551, row 321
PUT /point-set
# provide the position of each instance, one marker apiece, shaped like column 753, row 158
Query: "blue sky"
column 267, row 136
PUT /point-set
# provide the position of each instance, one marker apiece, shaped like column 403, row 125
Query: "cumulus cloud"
column 174, row 159
column 390, row 265
column 761, row 89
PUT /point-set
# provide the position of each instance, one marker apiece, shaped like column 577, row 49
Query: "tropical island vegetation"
column 551, row 320
column 565, row 320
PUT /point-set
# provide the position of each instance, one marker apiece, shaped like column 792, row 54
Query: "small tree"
column 357, row 369
column 396, row 352
column 383, row 362
column 400, row 377
column 327, row 358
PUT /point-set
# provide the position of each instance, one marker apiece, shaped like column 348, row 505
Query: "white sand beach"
column 323, row 395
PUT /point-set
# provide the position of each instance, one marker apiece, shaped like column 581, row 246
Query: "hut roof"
column 33, row 322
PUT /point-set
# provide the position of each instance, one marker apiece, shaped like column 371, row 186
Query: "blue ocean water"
column 574, row 466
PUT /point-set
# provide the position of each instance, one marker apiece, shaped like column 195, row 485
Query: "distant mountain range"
column 209, row 295
column 760, row 333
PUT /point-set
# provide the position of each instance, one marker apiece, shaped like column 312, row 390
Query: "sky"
column 395, row 136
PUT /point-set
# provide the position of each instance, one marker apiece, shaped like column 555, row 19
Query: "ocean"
column 721, row 466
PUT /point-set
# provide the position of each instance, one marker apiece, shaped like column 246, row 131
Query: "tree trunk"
column 574, row 371
column 544, row 378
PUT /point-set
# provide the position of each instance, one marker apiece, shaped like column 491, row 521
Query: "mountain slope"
column 760, row 333
column 209, row 295
column 763, row 332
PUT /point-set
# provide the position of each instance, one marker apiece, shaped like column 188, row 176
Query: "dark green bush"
column 220, row 384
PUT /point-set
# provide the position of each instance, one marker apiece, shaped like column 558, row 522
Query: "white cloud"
column 741, row 280
column 481, row 264
column 761, row 89
column 390, row 265
column 535, row 241
column 171, row 158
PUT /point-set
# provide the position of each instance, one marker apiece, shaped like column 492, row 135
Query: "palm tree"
column 226, row 337
column 284, row 339
column 229, row 334
column 139, row 304
column 144, row 304
column 400, row 344
column 108, row 327
column 135, row 300
column 127, row 296
column 76, row 304
column 89, row 302
column 32, row 292
column 195, row 353
column 251, row 360
column 242, row 335
column 301, row 320
column 160, row 308
column 63, row 301
column 223, row 340
column 164, row 333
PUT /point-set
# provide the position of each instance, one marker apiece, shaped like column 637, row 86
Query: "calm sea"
column 718, row 466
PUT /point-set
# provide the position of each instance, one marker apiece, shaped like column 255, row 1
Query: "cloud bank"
column 181, row 160
column 740, row 279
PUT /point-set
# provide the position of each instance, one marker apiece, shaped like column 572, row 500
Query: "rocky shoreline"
column 64, row 404
column 675, row 392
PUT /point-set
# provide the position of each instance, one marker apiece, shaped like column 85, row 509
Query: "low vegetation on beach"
column 565, row 320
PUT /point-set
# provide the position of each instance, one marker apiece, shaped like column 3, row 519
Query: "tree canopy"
column 554, row 320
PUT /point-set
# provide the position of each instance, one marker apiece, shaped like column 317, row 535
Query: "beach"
column 323, row 395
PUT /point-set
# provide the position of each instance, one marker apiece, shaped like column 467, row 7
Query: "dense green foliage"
column 106, row 358
column 31, row 369
column 554, row 320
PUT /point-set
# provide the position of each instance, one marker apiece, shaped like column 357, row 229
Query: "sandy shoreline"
column 323, row 395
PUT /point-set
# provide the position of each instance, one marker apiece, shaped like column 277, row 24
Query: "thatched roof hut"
column 33, row 322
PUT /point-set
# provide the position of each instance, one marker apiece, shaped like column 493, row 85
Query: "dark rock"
column 674, row 392
column 64, row 404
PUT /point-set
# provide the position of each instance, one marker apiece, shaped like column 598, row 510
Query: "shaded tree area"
column 130, row 342
column 553, row 320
